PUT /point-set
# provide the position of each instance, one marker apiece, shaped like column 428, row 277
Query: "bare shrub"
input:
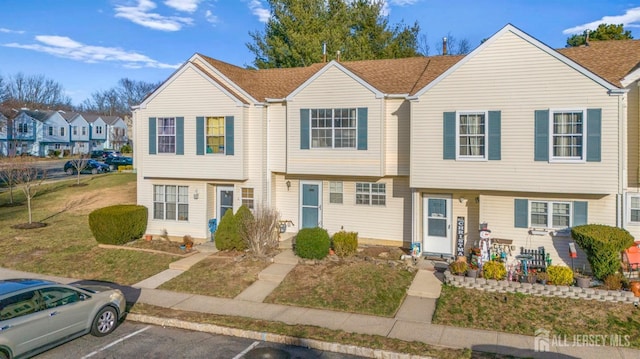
column 260, row 232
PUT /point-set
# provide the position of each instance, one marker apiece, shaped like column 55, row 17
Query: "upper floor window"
column 634, row 209
column 550, row 214
column 334, row 128
column 84, row 130
column 335, row 192
column 171, row 202
column 567, row 129
column 167, row 135
column 371, row 194
column 215, row 134
column 75, row 130
column 23, row 128
column 61, row 131
column 98, row 129
column 50, row 130
column 472, row 135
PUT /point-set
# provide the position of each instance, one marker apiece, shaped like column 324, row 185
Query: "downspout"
column 383, row 147
column 267, row 171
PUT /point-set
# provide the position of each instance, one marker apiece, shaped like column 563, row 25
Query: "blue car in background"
column 85, row 166
column 114, row 161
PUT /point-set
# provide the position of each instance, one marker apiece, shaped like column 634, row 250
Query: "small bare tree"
column 8, row 173
column 78, row 164
column 29, row 178
column 261, row 231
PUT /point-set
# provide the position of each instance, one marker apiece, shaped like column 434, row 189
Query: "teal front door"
column 311, row 206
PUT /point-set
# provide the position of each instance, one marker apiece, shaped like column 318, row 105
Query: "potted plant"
column 187, row 241
column 472, row 271
column 458, row 267
column 582, row 280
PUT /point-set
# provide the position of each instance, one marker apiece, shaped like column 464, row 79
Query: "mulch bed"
column 32, row 225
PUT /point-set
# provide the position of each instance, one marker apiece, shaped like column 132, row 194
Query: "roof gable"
column 534, row 42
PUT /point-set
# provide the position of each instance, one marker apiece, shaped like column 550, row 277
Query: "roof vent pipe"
column 444, row 45
column 338, row 55
column 586, row 37
column 324, row 52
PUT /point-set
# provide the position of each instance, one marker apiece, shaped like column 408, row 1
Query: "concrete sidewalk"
column 412, row 322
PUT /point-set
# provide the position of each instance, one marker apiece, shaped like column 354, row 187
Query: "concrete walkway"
column 412, row 322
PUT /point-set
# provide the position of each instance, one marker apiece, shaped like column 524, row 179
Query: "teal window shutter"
column 362, row 128
column 495, row 131
column 580, row 213
column 449, row 136
column 229, row 136
column 199, row 136
column 521, row 213
column 304, row 129
column 152, row 135
column 594, row 132
column 541, row 148
column 179, row 135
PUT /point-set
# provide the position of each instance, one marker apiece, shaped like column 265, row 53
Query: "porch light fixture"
column 462, row 200
column 288, row 183
column 196, row 194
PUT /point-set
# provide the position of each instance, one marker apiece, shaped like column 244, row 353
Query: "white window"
column 98, row 129
column 214, row 137
column 567, row 132
column 23, row 128
column 634, row 209
column 167, row 135
column 550, row 214
column 371, row 194
column 335, row 192
column 247, row 197
column 75, row 130
column 171, row 202
column 472, row 135
column 334, row 128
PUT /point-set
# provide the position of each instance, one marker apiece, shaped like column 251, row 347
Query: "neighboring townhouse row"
column 43, row 133
column 517, row 135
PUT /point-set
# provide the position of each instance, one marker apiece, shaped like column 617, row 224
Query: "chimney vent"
column 324, row 52
column 338, row 55
column 444, row 45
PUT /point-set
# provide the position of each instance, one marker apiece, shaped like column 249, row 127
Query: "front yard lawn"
column 351, row 286
column 66, row 247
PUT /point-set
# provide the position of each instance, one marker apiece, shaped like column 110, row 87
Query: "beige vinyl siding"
column 397, row 134
column 391, row 222
column 190, row 95
column 335, row 89
column 633, row 136
column 516, row 78
column 277, row 122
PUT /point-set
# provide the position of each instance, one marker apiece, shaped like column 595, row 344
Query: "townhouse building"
column 524, row 138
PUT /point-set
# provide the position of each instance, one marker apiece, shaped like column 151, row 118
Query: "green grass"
column 523, row 314
column 66, row 247
column 218, row 277
column 356, row 287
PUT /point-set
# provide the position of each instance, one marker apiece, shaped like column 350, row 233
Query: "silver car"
column 37, row 315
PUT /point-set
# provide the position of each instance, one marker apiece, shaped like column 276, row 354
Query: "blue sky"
column 88, row 45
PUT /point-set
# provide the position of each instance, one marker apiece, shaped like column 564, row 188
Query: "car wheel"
column 112, row 168
column 105, row 322
column 94, row 171
column 69, row 171
column 3, row 355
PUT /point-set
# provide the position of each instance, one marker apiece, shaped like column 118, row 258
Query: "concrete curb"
column 273, row 338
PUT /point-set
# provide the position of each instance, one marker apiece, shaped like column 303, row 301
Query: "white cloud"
column 402, row 2
column 183, row 5
column 210, row 17
column 62, row 46
column 9, row 31
column 141, row 14
column 629, row 19
column 259, row 10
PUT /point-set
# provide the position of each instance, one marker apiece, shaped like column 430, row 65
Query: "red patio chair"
column 631, row 259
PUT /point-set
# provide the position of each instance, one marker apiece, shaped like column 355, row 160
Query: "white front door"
column 436, row 223
column 225, row 200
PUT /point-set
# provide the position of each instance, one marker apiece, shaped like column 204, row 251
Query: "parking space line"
column 116, row 342
column 242, row 353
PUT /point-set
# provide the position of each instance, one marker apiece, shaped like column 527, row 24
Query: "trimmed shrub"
column 118, row 224
column 126, row 149
column 494, row 270
column 560, row 275
column 345, row 243
column 603, row 245
column 312, row 243
column 458, row 267
column 227, row 236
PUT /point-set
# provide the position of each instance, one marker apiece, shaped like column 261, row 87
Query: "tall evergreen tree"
column 603, row 32
column 297, row 29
